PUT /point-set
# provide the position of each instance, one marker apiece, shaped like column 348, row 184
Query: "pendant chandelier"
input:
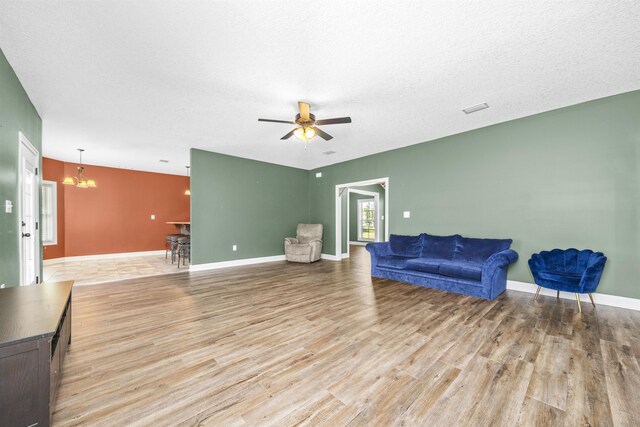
column 80, row 180
column 188, row 190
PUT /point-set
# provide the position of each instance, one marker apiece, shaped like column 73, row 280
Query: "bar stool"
column 184, row 250
column 171, row 244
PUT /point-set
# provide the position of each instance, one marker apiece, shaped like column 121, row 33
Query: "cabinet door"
column 20, row 388
column 65, row 333
column 54, row 377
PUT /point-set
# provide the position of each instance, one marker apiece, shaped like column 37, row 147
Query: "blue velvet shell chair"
column 569, row 270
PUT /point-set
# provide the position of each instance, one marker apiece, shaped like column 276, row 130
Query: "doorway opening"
column 28, row 212
column 362, row 214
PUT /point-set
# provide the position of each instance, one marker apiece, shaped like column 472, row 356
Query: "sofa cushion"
column 299, row 249
column 478, row 250
column 427, row 265
column 461, row 269
column 392, row 261
column 407, row 246
column 559, row 277
column 441, row 247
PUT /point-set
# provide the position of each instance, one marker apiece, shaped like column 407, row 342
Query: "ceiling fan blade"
column 335, row 121
column 322, row 134
column 304, row 110
column 289, row 135
column 277, row 121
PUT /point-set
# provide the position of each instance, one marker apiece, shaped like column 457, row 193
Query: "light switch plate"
column 153, row 216
column 318, row 174
column 235, row 247
column 8, row 206
column 406, row 214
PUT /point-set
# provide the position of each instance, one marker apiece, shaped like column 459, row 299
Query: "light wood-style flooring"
column 323, row 344
column 108, row 270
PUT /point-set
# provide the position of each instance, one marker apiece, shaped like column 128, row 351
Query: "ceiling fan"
column 308, row 125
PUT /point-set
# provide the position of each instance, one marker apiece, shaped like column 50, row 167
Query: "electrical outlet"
column 235, row 247
column 153, row 216
column 8, row 206
column 406, row 214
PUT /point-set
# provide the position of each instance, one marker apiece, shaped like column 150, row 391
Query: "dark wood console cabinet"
column 35, row 330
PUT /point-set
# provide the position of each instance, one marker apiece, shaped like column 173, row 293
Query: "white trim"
column 329, row 257
column 358, row 243
column 363, row 192
column 23, row 141
column 338, row 208
column 343, row 256
column 604, row 299
column 102, row 256
column 54, row 214
column 236, row 263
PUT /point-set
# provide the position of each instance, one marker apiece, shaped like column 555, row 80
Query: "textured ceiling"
column 133, row 82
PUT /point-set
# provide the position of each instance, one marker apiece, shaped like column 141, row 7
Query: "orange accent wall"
column 53, row 170
column 115, row 217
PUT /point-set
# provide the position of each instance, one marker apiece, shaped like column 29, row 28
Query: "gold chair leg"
column 591, row 298
column 558, row 295
column 579, row 306
column 537, row 292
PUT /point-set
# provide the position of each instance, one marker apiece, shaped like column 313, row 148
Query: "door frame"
column 338, row 209
column 376, row 197
column 23, row 141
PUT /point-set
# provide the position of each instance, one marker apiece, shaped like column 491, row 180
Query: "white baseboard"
column 604, row 299
column 330, row 257
column 235, row 263
column 101, row 256
column 359, row 243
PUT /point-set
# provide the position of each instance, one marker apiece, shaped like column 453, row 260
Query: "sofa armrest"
column 494, row 271
column 379, row 248
column 290, row 241
column 592, row 274
column 316, row 249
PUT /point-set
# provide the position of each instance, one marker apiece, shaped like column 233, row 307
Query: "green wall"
column 236, row 201
column 17, row 114
column 565, row 178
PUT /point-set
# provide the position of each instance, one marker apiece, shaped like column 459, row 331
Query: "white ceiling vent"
column 475, row 108
column 328, row 153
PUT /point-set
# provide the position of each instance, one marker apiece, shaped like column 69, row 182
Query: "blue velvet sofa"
column 476, row 267
column 569, row 270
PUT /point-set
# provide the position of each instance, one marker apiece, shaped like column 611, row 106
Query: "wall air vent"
column 475, row 108
column 164, row 161
column 328, row 153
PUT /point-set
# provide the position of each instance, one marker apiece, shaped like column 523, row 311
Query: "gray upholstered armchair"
column 307, row 245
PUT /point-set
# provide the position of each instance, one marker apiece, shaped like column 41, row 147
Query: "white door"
column 28, row 214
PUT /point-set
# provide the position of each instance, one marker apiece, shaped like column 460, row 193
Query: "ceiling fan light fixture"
column 299, row 133
column 308, row 125
column 309, row 133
